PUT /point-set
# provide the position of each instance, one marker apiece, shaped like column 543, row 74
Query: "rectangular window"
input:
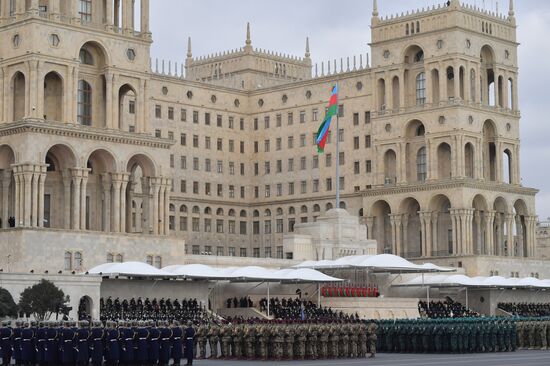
column 367, row 141
column 278, row 144
column 256, row 192
column 341, row 135
column 290, row 142
column 85, row 10
column 242, row 168
column 356, row 167
column 183, row 115
column 279, row 189
column 195, row 116
column 207, row 226
column 255, row 124
column 279, row 252
column 231, row 168
column 132, row 107
column 279, row 166
column 171, row 160
column 219, row 144
column 291, row 165
column 256, row 146
column 170, row 135
column 303, row 163
column 267, row 167
column 195, row 187
column 241, row 124
column 231, row 146
column 207, row 189
column 316, row 185
column 84, row 103
column 342, row 158
column 219, row 120
column 267, row 252
column 367, row 117
column 242, row 252
column 291, row 223
column 220, row 251
column 315, row 114
column 303, row 140
column 291, row 188
column 207, row 118
column 220, row 190
column 267, row 190
column 242, row 228
column 208, row 250
column 231, row 251
column 219, row 164
column 328, row 160
column 303, row 187
column 183, row 139
column 255, row 228
column 328, row 184
column 342, row 183
column 421, row 89
column 171, row 113
column 315, row 162
column 356, row 119
column 256, row 169
column 256, row 252
column 207, row 143
column 279, row 228
column 195, row 226
column 183, row 223
column 368, row 166
column 219, row 226
column 356, row 142
column 158, row 133
column 183, row 186
column 267, row 227
column 231, row 227
column 290, row 118
column 341, row 110
column 158, row 111
column 231, row 191
column 266, row 122
column 266, row 146
column 279, row 120
column 231, row 122
column 207, row 165
column 242, row 147
column 195, row 141
column 302, row 116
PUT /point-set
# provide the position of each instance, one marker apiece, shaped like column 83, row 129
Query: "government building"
column 109, row 155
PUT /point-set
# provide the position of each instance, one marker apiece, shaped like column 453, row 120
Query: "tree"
column 42, row 300
column 8, row 308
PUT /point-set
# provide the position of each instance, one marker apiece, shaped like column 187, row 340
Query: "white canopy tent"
column 129, row 269
column 462, row 281
column 375, row 263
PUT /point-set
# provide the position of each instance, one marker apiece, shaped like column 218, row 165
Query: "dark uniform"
column 6, row 334
column 189, row 336
column 142, row 342
column 82, row 344
column 28, row 352
column 112, row 345
column 51, row 351
column 165, row 341
column 97, row 336
column 154, row 343
column 177, row 349
column 67, row 345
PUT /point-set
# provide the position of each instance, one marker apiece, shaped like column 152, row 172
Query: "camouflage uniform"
column 371, row 331
column 278, row 342
column 363, row 339
column 225, row 334
column 213, row 339
column 250, row 339
column 323, row 341
column 354, row 340
column 334, row 340
column 201, row 340
column 262, row 341
column 289, row 341
column 237, row 335
column 301, row 335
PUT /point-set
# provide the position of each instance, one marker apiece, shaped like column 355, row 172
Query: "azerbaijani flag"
column 322, row 133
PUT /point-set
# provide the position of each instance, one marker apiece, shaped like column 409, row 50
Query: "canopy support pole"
column 267, row 298
column 318, row 294
column 467, row 297
column 428, row 296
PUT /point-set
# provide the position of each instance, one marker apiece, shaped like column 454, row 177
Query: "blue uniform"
column 113, row 351
column 17, row 345
column 142, row 354
column 165, row 341
column 5, row 344
column 52, row 346
column 27, row 346
column 82, row 346
column 177, row 350
column 67, row 346
column 154, row 345
column 41, row 345
column 127, row 345
column 189, row 336
column 96, row 348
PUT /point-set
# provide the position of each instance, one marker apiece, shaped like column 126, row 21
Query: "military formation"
column 286, row 340
column 82, row 343
column 462, row 335
column 533, row 333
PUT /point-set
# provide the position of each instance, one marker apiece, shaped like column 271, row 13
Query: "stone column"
column 496, row 89
column 489, row 229
column 5, row 97
column 124, row 182
column 370, row 225
column 156, row 191
column 106, row 185
column 35, row 196
column 17, row 200
column 519, row 234
column 404, row 242
column 34, row 7
column 66, row 199
column 478, row 90
column 401, row 164
column 76, row 175
column 114, row 103
column 424, row 230
column 115, row 214
column 435, row 237
column 514, row 94
column 167, row 207
column 109, row 101
column 454, row 224
column 109, row 16
column 470, row 231
column 530, row 224
column 54, row 9
column 498, row 161
column 145, row 17
column 402, row 92
column 396, row 222
column 388, row 92
column 116, row 15
column 477, row 219
column 505, row 94
column 510, row 234
column 467, row 84
column 27, row 199
column 41, row 194
column 127, row 26
column 6, row 182
column 83, row 193
column 456, row 70
column 443, row 84
column 146, row 212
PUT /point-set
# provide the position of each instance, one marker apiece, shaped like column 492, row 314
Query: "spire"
column 307, row 48
column 189, row 51
column 511, row 12
column 375, row 8
column 248, row 40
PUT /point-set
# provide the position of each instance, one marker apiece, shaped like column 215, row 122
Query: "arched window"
column 232, row 212
column 291, row 210
column 279, row 211
column 243, row 213
column 472, row 85
column 196, row 210
column 172, row 207
column 256, row 213
column 84, row 112
column 86, row 57
column 316, row 208
column 158, row 261
column 68, row 261
column 149, row 260
column 110, row 258
column 77, row 261
column 267, row 212
column 343, row 205
column 407, row 30
column 303, row 209
column 219, row 211
column 328, row 206
column 421, row 170
column 119, row 258
column 421, row 89
column 208, row 211
column 183, row 209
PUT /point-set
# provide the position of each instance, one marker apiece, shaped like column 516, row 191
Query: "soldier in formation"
column 533, row 333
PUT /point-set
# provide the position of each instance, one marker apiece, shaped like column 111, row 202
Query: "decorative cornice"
column 30, row 125
column 451, row 184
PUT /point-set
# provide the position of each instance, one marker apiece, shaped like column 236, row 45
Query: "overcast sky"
column 341, row 29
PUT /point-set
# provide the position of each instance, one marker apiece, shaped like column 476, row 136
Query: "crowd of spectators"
column 350, row 291
column 526, row 309
column 157, row 310
column 243, row 302
column 296, row 309
column 445, row 309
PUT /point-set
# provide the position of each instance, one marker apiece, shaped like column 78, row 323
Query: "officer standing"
column 154, row 344
column 189, row 337
column 177, row 350
column 82, row 346
column 165, row 341
column 97, row 337
column 6, row 334
column 67, row 345
column 112, row 344
column 372, row 337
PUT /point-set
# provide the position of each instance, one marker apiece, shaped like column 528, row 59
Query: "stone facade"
column 94, row 137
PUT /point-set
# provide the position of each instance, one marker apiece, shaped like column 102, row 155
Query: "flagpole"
column 337, row 152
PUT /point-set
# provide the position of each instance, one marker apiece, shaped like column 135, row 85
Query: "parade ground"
column 519, row 358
